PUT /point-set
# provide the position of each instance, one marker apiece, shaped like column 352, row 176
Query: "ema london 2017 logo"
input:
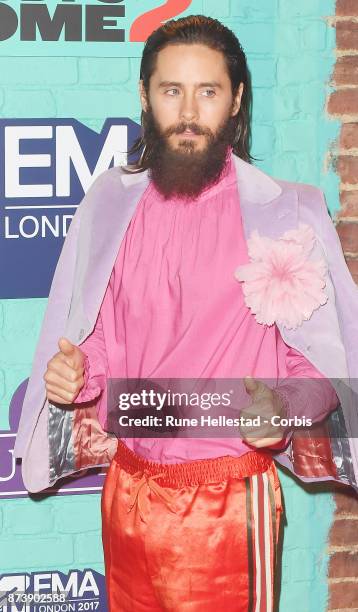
column 78, row 590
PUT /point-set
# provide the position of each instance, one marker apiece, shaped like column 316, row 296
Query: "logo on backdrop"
column 104, row 27
column 46, row 167
column 53, row 591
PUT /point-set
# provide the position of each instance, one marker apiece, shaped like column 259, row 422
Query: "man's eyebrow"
column 177, row 84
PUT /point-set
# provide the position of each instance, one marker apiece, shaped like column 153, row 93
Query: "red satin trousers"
column 199, row 536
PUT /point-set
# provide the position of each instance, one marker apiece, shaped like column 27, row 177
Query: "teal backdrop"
column 290, row 50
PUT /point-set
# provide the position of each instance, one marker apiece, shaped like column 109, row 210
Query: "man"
column 162, row 285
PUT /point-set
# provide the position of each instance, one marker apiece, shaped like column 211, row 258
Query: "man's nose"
column 189, row 108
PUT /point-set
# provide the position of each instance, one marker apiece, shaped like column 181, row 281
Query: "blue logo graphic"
column 47, row 167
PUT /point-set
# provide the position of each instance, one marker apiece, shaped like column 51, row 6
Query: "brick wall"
column 343, row 104
column 343, row 548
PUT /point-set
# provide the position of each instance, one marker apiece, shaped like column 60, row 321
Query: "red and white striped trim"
column 262, row 543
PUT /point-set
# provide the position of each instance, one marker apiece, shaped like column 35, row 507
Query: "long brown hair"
column 198, row 29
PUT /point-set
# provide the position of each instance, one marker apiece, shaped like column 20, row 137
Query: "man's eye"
column 172, row 89
column 211, row 92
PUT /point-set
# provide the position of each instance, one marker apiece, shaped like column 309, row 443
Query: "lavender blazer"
column 54, row 442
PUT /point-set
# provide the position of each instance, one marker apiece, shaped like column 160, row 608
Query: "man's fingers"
column 64, row 377
column 256, row 433
column 59, row 368
column 262, row 430
column 261, row 409
column 51, row 378
column 56, row 394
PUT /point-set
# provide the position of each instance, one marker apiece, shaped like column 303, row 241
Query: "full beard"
column 185, row 172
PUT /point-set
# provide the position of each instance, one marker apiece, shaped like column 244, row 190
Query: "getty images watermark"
column 214, row 407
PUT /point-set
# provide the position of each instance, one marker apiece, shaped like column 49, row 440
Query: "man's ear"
column 143, row 96
column 237, row 100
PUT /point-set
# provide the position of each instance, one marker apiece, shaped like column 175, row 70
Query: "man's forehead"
column 182, row 60
column 188, row 49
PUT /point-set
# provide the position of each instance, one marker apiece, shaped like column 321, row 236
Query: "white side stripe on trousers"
column 262, row 540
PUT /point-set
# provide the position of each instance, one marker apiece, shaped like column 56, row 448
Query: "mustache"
column 182, row 127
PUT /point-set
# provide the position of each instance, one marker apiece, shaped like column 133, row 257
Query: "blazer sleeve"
column 307, row 391
column 346, row 289
column 53, row 324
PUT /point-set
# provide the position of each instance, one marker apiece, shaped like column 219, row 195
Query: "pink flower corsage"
column 281, row 284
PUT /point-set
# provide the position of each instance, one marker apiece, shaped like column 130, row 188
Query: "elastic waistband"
column 198, row 471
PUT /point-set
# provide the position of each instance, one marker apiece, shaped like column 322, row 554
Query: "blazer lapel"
column 268, row 206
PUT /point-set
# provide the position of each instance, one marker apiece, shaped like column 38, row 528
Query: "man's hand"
column 265, row 404
column 64, row 374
